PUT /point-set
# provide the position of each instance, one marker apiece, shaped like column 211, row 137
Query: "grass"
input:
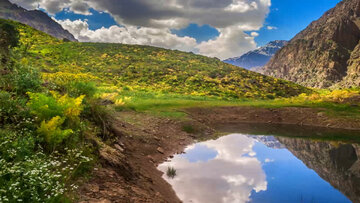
column 171, row 172
column 173, row 105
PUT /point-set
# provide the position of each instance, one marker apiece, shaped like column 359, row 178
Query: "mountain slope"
column 258, row 57
column 325, row 52
column 36, row 19
column 148, row 68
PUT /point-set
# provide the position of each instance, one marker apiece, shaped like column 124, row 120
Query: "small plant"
column 171, row 172
column 188, row 128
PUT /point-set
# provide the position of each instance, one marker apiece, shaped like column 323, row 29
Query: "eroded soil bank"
column 127, row 172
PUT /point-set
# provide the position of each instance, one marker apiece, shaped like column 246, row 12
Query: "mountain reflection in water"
column 249, row 168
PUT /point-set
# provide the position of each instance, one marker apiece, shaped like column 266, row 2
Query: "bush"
column 8, row 108
column 52, row 131
column 63, row 80
column 77, row 89
column 26, row 79
column 47, row 107
column 58, row 116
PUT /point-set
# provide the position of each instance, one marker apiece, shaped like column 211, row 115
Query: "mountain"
column 36, row 19
column 326, row 53
column 149, row 68
column 258, row 58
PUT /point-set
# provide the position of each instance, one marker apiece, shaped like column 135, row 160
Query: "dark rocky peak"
column 36, row 19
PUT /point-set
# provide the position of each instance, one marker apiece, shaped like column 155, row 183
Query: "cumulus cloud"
column 55, row 6
column 231, row 42
column 129, row 35
column 230, row 17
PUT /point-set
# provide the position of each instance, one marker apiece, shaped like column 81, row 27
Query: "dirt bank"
column 127, row 166
column 290, row 115
column 127, row 169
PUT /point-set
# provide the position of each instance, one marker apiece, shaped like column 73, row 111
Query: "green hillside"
column 148, row 68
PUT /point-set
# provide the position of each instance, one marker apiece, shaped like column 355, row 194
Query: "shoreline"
column 127, row 167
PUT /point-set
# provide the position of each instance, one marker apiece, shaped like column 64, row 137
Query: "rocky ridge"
column 36, row 19
column 326, row 53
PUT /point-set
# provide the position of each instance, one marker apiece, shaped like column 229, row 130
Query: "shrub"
column 77, row 89
column 62, row 80
column 52, row 131
column 26, row 79
column 188, row 128
column 47, row 107
column 8, row 108
column 58, row 116
column 171, row 172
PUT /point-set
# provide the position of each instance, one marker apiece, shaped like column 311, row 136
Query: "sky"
column 214, row 28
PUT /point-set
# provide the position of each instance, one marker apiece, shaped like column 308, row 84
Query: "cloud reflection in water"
column 229, row 174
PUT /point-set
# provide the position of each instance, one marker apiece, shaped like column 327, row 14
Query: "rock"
column 321, row 114
column 118, row 147
column 100, row 201
column 160, row 150
column 326, row 53
column 93, row 188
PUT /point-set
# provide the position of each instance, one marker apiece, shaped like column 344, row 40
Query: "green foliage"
column 77, row 89
column 188, row 128
column 47, row 107
column 8, row 108
column 33, row 125
column 29, row 175
column 52, row 131
column 9, row 35
column 171, row 172
column 26, row 79
column 59, row 115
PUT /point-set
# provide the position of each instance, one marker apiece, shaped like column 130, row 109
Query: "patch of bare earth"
column 127, row 169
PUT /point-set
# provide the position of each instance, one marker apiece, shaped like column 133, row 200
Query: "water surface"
column 248, row 167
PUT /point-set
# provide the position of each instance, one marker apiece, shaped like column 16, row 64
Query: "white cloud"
column 268, row 160
column 254, row 34
column 231, row 42
column 230, row 17
column 129, row 35
column 271, row 28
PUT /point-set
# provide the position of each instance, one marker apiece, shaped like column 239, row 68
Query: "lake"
column 267, row 163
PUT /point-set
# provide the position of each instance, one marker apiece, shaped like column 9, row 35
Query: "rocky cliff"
column 325, row 53
column 36, row 19
column 339, row 165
